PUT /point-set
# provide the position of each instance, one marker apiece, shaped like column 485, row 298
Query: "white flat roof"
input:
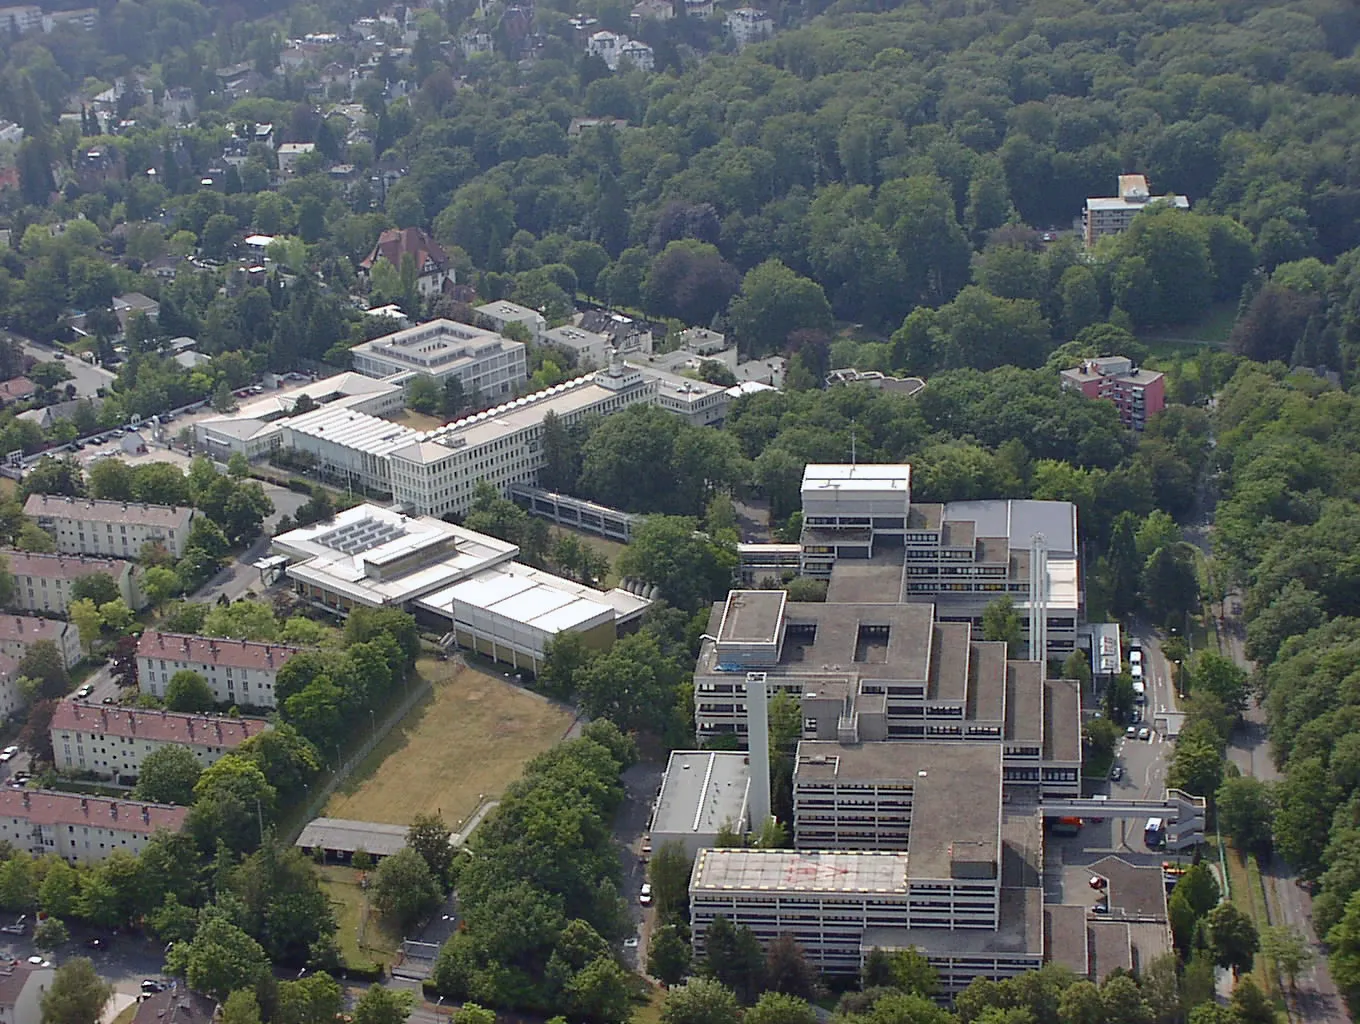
column 533, row 598
column 506, row 420
column 1120, row 203
column 348, row 385
column 858, row 476
column 339, row 554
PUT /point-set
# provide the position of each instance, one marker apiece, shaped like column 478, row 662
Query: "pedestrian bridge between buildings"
column 1184, row 814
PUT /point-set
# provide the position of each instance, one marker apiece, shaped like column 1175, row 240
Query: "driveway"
column 87, row 379
column 641, row 784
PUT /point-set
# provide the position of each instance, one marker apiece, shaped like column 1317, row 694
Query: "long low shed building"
column 342, row 838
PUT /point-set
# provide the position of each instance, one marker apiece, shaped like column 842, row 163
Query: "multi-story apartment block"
column 19, row 632
column 238, row 671
column 436, row 473
column 81, row 829
column 1138, row 394
column 1112, row 215
column 862, row 532
column 485, row 363
column 22, row 19
column 112, row 742
column 590, row 350
column 42, row 582
column 12, row 699
column 85, row 526
column 874, row 672
column 748, row 26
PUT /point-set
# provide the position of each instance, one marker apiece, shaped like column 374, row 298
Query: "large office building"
column 463, row 583
column 1112, row 215
column 869, row 673
column 81, row 829
column 239, row 672
column 436, row 473
column 112, row 743
column 864, row 534
column 1138, row 394
column 926, row 765
column 43, row 582
column 118, row 529
column 483, row 362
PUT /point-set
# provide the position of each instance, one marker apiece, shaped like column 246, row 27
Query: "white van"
column 1139, row 691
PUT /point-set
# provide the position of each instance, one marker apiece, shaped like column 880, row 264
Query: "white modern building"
column 502, row 313
column 702, row 793
column 239, row 672
column 1112, row 215
column 590, row 350
column 19, row 632
column 437, row 472
column 351, row 448
column 697, row 402
column 291, row 152
column 464, row 584
column 614, row 49
column 42, row 582
column 256, row 428
column 113, row 742
column 81, row 829
column 485, row 363
column 86, row 526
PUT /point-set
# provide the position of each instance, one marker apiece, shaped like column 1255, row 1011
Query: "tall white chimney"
column 758, row 745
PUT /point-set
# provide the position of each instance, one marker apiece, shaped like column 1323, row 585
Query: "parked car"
column 1145, row 733
column 85, row 690
column 1131, row 732
column 1116, row 773
column 1097, row 882
column 645, row 896
column 151, row 986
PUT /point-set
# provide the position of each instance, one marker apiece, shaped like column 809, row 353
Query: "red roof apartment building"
column 81, row 829
column 238, row 671
column 1138, row 394
column 112, row 742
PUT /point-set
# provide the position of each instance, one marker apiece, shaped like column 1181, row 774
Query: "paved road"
column 124, row 962
column 87, row 379
column 641, row 784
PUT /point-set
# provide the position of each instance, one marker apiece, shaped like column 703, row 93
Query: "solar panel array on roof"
column 363, row 535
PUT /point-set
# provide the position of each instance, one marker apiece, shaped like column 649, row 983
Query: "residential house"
column 580, row 124
column 113, row 742
column 238, row 671
column 434, row 272
column 590, row 350
column 626, row 335
column 124, row 306
column 748, row 26
column 118, row 528
column 99, row 165
column 81, row 829
column 176, row 1006
column 655, row 10
column 22, row 986
column 638, row 54
column 178, row 105
column 20, row 632
column 476, row 43
column 17, row 389
column 43, row 582
column 291, row 152
column 698, row 8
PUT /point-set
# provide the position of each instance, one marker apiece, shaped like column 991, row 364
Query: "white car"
column 1145, row 733
column 645, row 896
column 85, row 690
column 1135, row 657
column 11, row 750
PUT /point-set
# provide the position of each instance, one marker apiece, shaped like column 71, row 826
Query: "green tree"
column 316, row 999
column 60, row 889
column 787, row 969
column 1245, row 807
column 18, row 884
column 1001, row 622
column 700, row 1001
column 404, row 888
column 668, row 955
column 77, row 994
column 1171, row 584
column 379, row 1005
column 98, row 587
column 1288, row 949
column 241, row 1007
column 688, row 569
column 221, row 959
column 429, row 836
column 50, row 933
column 773, row 303
column 422, row 394
column 88, row 622
column 777, row 1008
column 168, row 776
column 43, row 662
column 159, row 584
column 1196, row 767
column 1232, row 937
column 1124, row 566
column 189, row 691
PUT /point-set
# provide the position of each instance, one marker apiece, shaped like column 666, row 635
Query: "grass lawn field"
column 471, row 737
column 380, row 943
column 611, row 549
column 417, row 420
